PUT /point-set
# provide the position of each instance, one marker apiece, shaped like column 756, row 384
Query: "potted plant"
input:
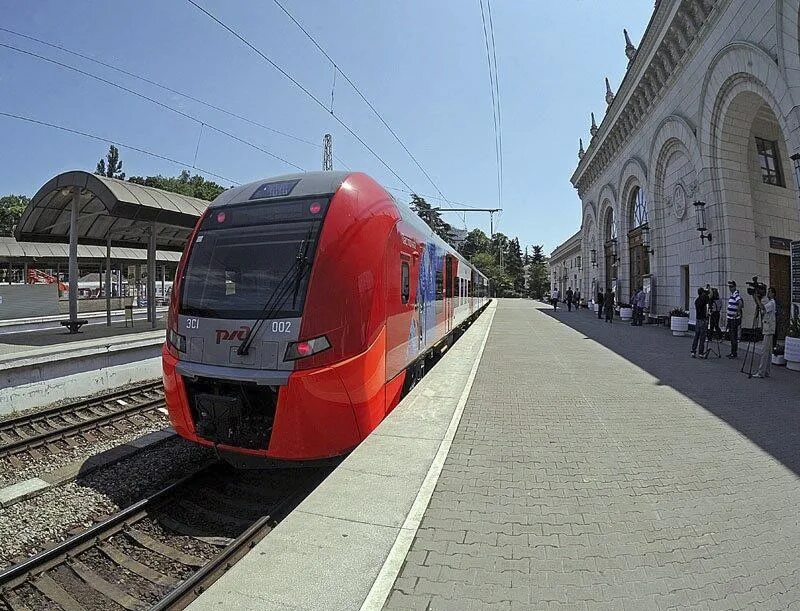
column 679, row 322
column 625, row 311
column 777, row 355
column 791, row 348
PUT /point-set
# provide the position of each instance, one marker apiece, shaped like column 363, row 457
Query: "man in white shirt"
column 554, row 298
column 767, row 308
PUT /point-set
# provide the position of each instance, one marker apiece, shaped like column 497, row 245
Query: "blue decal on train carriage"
column 431, row 259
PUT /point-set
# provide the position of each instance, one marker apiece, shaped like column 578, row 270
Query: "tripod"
column 751, row 351
column 712, row 343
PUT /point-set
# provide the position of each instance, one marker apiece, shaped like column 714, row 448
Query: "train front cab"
column 325, row 403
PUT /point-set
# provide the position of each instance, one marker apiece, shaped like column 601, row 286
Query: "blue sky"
column 422, row 63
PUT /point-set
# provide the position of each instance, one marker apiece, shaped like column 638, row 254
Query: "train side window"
column 405, row 289
column 439, row 285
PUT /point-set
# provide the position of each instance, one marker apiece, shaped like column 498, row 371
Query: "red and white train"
column 302, row 309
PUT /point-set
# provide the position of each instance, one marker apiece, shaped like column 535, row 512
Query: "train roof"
column 289, row 185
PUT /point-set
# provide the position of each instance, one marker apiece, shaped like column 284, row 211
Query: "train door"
column 449, row 291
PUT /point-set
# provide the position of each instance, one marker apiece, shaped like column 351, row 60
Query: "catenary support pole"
column 73, row 254
column 151, row 276
column 108, row 281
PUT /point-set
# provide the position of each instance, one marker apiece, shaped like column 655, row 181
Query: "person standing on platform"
column 609, row 306
column 554, row 298
column 600, row 304
column 700, row 323
column 569, row 299
column 639, row 300
column 734, row 315
column 768, row 320
column 714, row 309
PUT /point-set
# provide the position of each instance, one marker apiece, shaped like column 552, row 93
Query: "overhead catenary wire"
column 300, row 86
column 167, row 88
column 436, row 197
column 152, row 101
column 115, row 143
column 355, row 87
column 497, row 93
column 494, row 102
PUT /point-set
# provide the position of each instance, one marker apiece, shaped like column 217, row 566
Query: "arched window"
column 638, row 209
column 611, row 226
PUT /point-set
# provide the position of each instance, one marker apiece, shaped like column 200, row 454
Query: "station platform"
column 38, row 367
column 549, row 461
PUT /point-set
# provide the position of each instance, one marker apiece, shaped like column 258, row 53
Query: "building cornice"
column 669, row 41
column 572, row 243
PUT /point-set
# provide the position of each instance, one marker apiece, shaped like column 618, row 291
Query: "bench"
column 73, row 325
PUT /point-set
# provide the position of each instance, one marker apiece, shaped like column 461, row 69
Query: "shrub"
column 679, row 312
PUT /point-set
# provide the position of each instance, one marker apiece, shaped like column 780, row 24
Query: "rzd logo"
column 240, row 334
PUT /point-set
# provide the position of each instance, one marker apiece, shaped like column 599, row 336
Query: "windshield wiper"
column 279, row 293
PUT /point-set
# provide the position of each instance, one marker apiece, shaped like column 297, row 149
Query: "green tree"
column 111, row 166
column 431, row 217
column 537, row 255
column 11, row 209
column 514, row 266
column 185, row 184
column 475, row 242
column 537, row 274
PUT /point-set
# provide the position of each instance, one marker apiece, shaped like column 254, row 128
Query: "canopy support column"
column 108, row 281
column 151, row 276
column 73, row 255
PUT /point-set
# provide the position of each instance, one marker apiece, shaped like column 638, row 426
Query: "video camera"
column 756, row 288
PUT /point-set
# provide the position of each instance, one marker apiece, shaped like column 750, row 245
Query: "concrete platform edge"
column 343, row 546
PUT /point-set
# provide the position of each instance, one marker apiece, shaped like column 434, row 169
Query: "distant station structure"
column 89, row 212
column 691, row 176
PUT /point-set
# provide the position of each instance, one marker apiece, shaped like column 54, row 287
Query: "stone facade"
column 708, row 111
column 566, row 267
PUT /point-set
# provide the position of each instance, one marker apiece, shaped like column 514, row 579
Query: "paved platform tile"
column 597, row 466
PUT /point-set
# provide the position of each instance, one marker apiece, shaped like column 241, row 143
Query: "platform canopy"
column 112, row 209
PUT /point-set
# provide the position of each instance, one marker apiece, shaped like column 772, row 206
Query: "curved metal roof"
column 11, row 249
column 109, row 207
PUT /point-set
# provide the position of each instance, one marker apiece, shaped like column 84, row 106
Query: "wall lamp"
column 700, row 215
column 646, row 239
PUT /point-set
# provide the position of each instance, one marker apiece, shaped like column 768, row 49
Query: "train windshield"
column 253, row 260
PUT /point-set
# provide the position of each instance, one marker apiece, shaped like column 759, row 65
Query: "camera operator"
column 766, row 305
column 735, row 306
column 715, row 307
column 700, row 323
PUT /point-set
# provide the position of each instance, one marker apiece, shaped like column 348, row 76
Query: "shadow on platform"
column 766, row 411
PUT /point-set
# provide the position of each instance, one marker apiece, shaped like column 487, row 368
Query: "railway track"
column 163, row 551
column 55, row 429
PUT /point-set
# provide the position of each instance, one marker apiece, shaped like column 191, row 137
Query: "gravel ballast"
column 29, row 526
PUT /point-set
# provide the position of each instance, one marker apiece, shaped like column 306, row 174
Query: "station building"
column 566, row 265
column 691, row 177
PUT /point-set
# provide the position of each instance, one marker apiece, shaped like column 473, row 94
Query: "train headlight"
column 299, row 350
column 176, row 340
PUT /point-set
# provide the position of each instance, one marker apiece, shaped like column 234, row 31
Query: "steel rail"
column 118, row 412
column 16, row 574
column 188, row 590
column 13, row 423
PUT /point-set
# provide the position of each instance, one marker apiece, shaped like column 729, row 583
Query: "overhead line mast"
column 299, row 85
column 362, row 96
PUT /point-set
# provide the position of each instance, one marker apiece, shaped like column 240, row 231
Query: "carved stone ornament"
column 679, row 201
